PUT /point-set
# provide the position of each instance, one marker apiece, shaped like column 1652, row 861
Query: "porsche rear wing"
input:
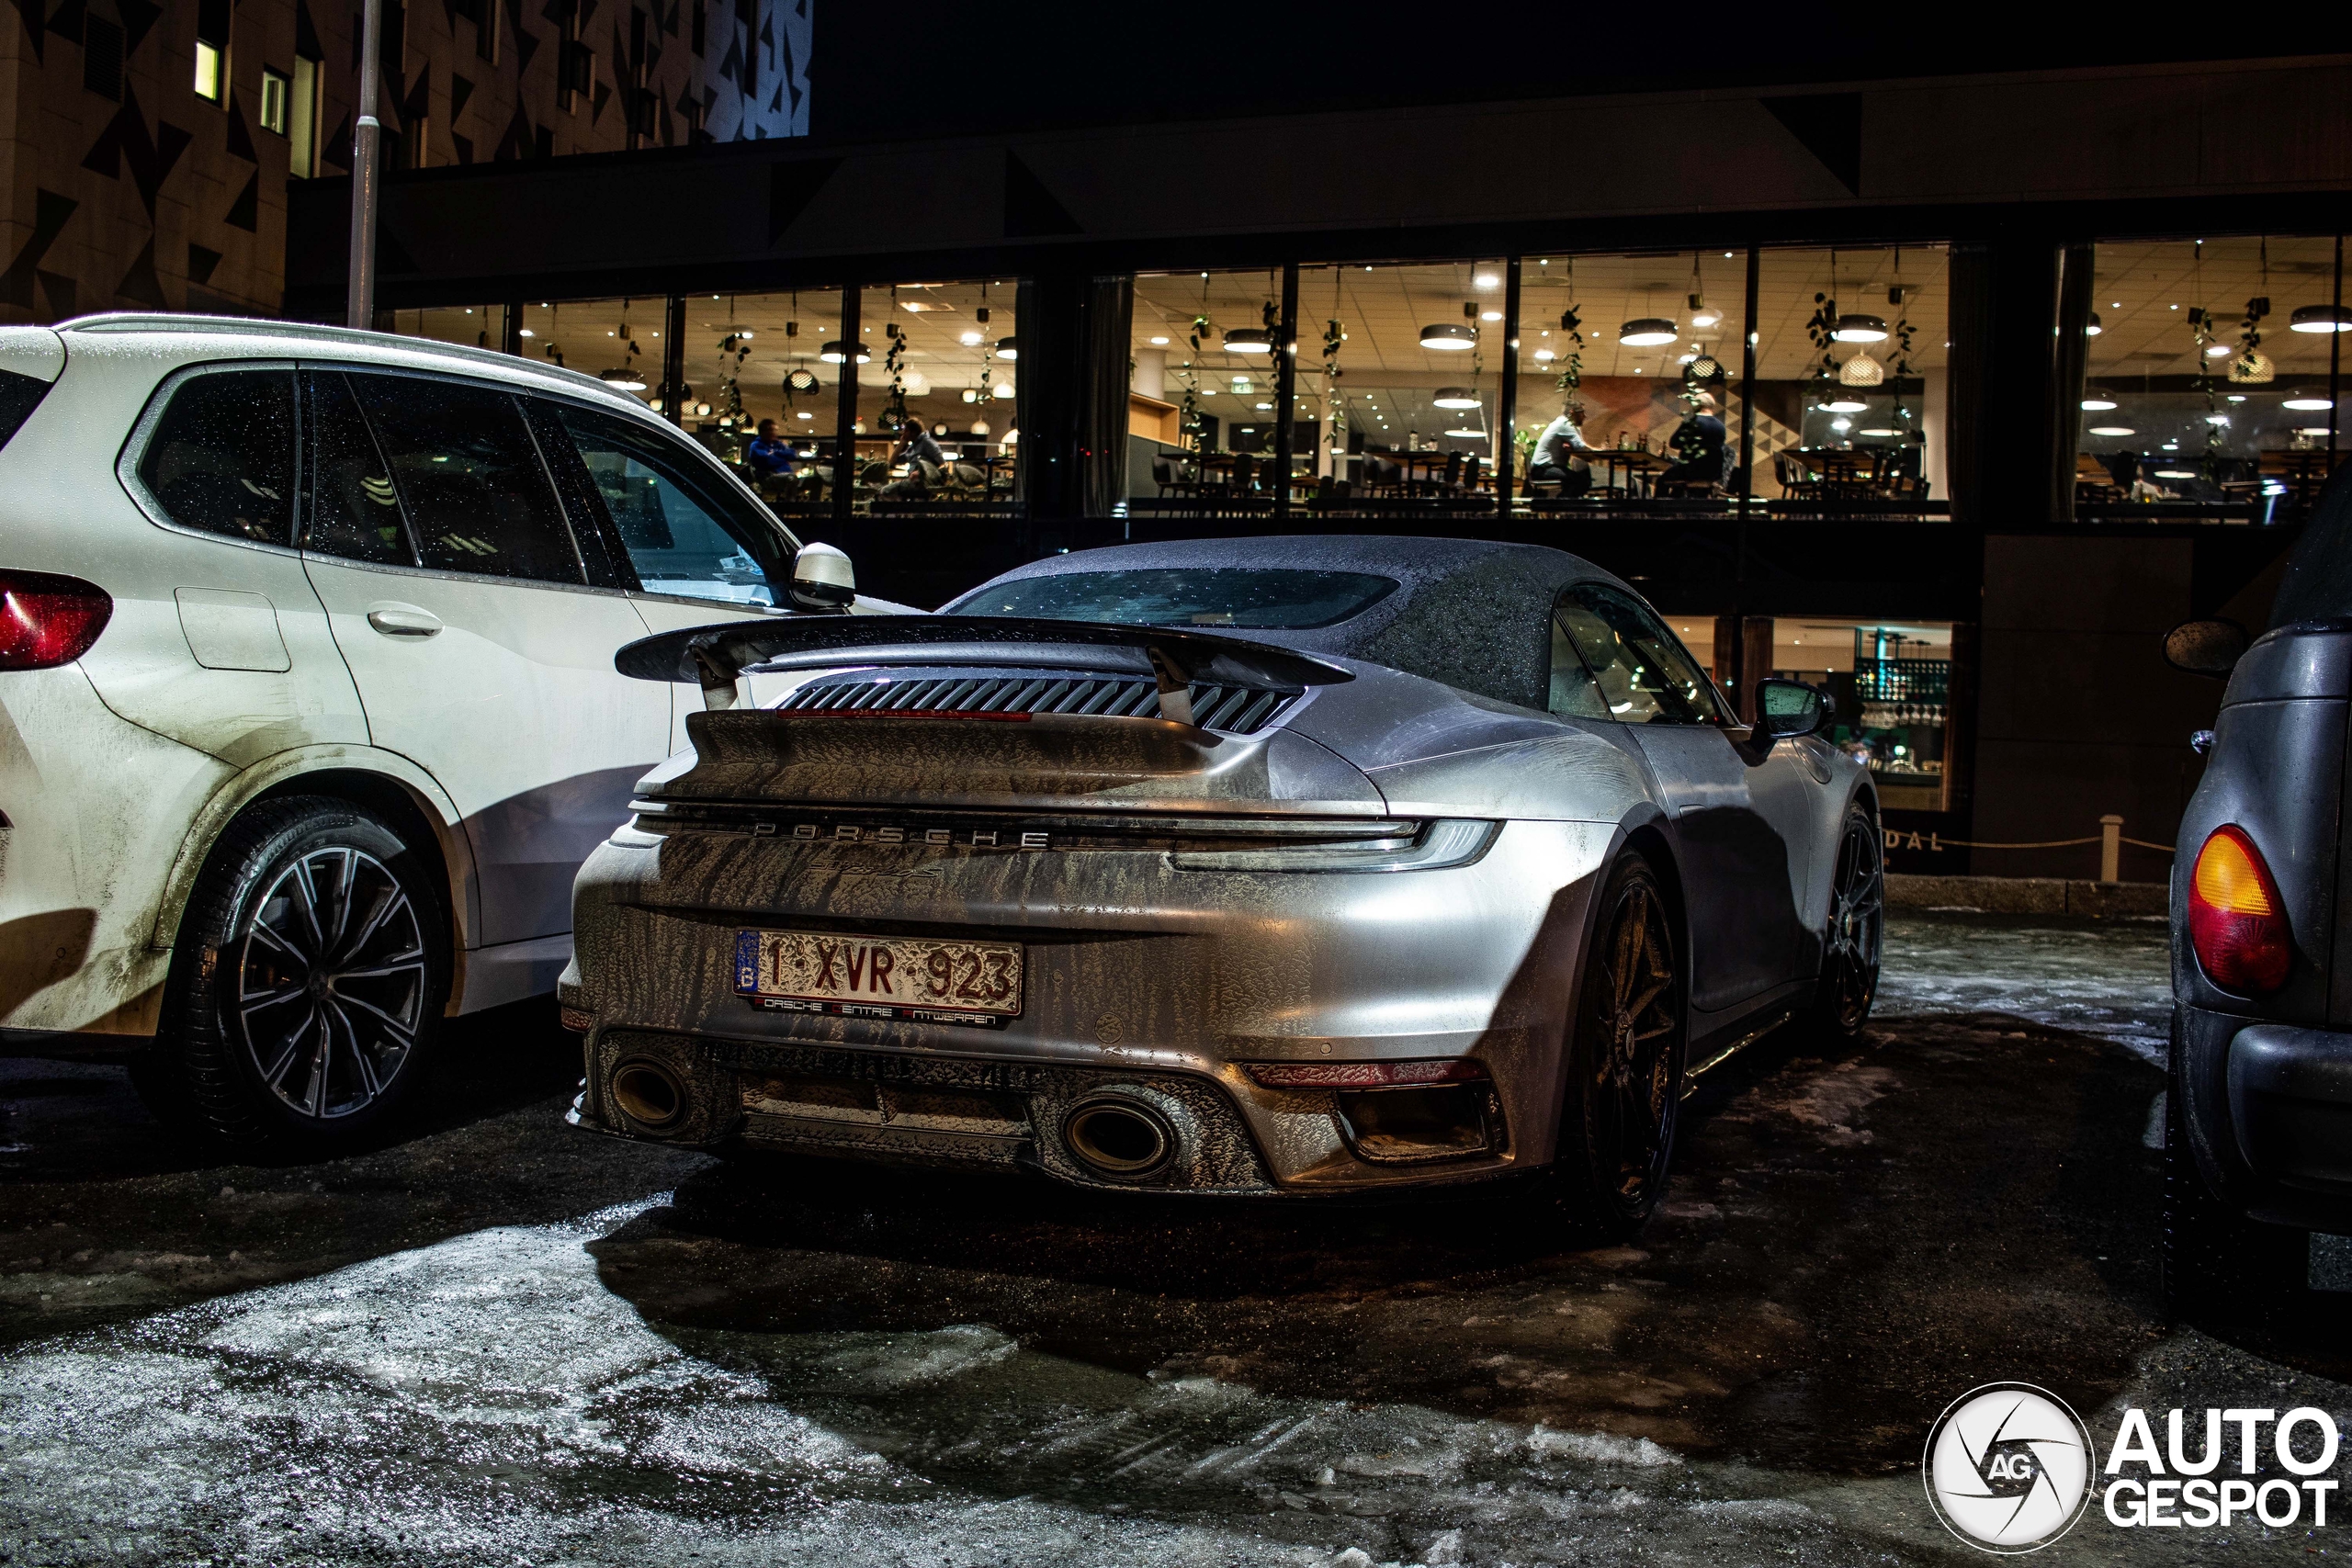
column 716, row 656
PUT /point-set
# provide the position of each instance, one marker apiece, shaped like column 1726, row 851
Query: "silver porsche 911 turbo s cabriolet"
column 1285, row 865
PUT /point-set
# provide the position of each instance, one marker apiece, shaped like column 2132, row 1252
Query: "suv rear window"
column 20, row 395
column 1269, row 599
column 2318, row 584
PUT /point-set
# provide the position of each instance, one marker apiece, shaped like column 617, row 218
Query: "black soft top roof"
column 1471, row 613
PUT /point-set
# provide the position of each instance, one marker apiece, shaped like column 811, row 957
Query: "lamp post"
column 360, row 307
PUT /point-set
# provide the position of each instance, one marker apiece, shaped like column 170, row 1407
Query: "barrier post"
column 2110, row 847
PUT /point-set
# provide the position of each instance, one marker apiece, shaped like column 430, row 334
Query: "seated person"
column 1554, row 461
column 918, row 447
column 769, row 453
column 1701, row 442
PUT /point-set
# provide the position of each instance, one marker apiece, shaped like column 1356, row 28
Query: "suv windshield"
column 1269, row 599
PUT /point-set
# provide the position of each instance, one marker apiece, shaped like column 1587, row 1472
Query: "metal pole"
column 845, row 412
column 359, row 308
column 673, row 360
column 1747, row 423
column 1503, row 450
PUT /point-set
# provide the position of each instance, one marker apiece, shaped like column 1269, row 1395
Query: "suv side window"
column 354, row 511
column 686, row 531
column 1641, row 674
column 221, row 457
column 467, row 478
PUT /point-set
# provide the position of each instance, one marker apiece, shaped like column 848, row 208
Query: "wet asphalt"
column 496, row 1340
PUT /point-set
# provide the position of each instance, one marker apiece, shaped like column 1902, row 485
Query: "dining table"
column 1628, row 468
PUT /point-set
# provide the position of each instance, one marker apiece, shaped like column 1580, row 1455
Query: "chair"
column 1798, row 481
column 1382, row 477
column 1163, row 474
column 2094, row 485
column 1245, row 476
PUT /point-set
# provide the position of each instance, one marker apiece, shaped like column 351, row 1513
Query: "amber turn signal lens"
column 2237, row 923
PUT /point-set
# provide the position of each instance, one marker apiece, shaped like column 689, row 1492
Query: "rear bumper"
column 2269, row 1108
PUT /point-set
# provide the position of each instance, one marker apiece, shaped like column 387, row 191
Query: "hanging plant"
column 1572, row 333
column 1188, row 415
column 894, row 361
column 1333, row 336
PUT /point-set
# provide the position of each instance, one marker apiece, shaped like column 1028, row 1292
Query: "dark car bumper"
column 2269, row 1112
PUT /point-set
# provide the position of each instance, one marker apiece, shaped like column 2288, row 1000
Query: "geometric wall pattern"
column 121, row 189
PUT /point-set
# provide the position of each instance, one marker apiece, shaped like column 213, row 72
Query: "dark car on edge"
column 2258, row 1115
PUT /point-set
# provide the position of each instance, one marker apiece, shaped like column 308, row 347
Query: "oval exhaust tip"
column 648, row 1094
column 1118, row 1138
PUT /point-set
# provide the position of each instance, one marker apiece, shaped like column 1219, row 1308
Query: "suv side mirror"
column 2206, row 647
column 822, row 578
column 1784, row 709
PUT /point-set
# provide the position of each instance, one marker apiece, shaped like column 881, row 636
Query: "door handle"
column 404, row 620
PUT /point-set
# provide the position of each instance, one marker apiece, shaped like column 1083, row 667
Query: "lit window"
column 275, row 92
column 207, row 72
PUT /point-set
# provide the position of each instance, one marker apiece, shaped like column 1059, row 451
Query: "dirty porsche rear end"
column 1006, row 913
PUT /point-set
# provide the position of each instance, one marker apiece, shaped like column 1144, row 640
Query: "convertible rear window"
column 1269, row 599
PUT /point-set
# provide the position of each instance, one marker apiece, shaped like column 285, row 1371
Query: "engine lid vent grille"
column 1236, row 710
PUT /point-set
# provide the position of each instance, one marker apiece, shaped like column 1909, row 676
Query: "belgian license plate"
column 922, row 979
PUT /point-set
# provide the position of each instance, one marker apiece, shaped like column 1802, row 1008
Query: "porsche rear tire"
column 1623, row 1092
column 1850, row 948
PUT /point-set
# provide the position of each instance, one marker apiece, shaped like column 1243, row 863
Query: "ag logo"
column 2009, row 1466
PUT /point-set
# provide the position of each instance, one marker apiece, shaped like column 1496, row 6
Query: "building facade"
column 151, row 148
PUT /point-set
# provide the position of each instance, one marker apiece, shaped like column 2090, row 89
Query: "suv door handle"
column 404, row 620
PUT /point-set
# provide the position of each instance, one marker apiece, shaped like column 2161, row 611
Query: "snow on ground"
column 2110, row 978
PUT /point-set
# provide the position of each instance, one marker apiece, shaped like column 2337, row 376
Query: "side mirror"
column 2206, row 647
column 1784, row 709
column 822, row 578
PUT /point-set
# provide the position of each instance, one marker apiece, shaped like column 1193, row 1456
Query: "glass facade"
column 1774, row 383
column 2210, row 379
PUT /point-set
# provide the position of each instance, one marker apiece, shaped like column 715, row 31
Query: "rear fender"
column 288, row 768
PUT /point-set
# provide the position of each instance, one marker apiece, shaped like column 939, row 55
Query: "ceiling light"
column 1008, row 348
column 1861, row 370
column 1647, row 332
column 2314, row 430
column 1880, row 431
column 2237, row 397
column 980, row 427
column 2216, row 350
column 1249, row 340
column 1703, row 315
column 628, row 381
column 1857, row 326
column 2091, row 328
column 1004, row 389
column 1544, row 355
column 834, row 353
column 2320, row 319
column 2174, row 474
column 1455, row 397
column 1467, row 434
column 2217, row 419
column 1156, row 342
column 802, row 381
column 1841, row 424
column 803, row 413
column 1262, row 405
column 745, row 336
column 2097, row 405
column 2112, row 430
column 971, row 339
column 1845, row 405
column 1490, row 315
column 1487, row 280
column 528, row 333
column 1448, row 336
column 2304, row 405
column 2252, row 367
column 971, row 394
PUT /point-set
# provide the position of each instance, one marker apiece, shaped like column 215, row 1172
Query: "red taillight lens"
column 2237, row 923
column 46, row 620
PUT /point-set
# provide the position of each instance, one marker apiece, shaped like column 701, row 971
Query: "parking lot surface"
column 496, row 1340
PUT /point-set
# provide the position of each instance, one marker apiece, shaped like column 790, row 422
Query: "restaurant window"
column 774, row 359
column 938, row 397
column 1628, row 393
column 1200, row 391
column 213, row 50
column 1851, row 355
column 1889, row 686
column 476, row 326
column 2210, row 383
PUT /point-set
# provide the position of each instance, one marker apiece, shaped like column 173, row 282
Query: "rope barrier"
column 2041, row 844
column 2161, row 849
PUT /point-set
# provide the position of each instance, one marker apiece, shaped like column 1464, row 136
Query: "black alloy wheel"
column 309, row 983
column 1851, row 946
column 1624, row 1063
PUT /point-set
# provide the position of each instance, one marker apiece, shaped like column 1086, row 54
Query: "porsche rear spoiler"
column 716, row 656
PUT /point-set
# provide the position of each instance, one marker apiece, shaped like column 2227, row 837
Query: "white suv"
column 307, row 711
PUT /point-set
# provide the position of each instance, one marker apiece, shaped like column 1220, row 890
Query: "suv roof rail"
column 132, row 321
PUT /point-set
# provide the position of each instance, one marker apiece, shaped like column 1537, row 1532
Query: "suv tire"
column 307, row 987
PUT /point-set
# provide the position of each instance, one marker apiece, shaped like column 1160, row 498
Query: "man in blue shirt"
column 768, row 454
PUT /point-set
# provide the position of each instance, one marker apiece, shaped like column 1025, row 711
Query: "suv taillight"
column 2237, row 923
column 46, row 620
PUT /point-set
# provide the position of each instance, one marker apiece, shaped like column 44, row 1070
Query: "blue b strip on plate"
column 747, row 960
